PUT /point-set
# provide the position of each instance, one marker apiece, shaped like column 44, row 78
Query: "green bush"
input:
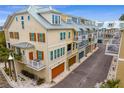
column 40, row 81
column 110, row 84
column 18, row 57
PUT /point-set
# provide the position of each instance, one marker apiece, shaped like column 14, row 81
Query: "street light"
column 12, row 64
column 9, row 62
column 10, row 57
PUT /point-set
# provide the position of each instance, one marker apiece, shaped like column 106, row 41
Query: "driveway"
column 90, row 72
column 3, row 82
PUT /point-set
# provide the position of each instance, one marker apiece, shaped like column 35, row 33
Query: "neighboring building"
column 49, row 41
column 115, row 48
column 1, row 28
column 107, row 30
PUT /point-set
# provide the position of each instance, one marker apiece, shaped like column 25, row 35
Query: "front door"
column 31, row 55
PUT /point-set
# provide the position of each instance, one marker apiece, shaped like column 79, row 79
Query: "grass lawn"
column 2, row 38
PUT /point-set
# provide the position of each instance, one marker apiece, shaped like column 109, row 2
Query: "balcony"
column 112, row 47
column 83, row 44
column 69, row 52
column 80, row 38
column 36, row 65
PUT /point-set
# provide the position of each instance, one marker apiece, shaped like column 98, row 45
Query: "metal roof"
column 24, row 45
column 35, row 11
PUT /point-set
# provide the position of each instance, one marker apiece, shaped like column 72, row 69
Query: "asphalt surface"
column 90, row 72
column 3, row 82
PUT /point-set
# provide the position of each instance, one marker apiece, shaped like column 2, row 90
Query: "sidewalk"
column 112, row 70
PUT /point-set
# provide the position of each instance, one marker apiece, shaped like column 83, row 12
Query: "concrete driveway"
column 92, row 71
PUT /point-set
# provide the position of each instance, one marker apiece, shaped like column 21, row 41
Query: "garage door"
column 81, row 54
column 57, row 70
column 72, row 61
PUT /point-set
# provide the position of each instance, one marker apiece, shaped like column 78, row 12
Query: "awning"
column 24, row 45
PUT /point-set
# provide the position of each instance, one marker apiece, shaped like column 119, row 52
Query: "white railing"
column 35, row 64
column 112, row 47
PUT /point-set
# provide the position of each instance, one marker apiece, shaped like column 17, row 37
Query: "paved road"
column 92, row 71
column 3, row 82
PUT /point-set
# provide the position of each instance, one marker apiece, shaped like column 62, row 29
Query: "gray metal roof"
column 35, row 11
column 24, row 45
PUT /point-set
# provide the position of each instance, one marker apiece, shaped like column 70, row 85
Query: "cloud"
column 2, row 22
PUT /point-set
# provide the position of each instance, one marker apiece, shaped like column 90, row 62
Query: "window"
column 22, row 17
column 61, row 36
column 32, row 36
column 69, row 34
column 75, row 20
column 56, row 19
column 55, row 54
column 64, row 35
column 22, row 23
column 16, row 35
column 61, row 51
column 39, row 55
column 28, row 18
column 69, row 20
column 69, row 47
column 11, row 34
column 16, row 18
column 51, row 55
column 58, row 52
column 40, row 37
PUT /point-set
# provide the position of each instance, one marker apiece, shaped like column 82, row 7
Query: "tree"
column 4, row 54
column 122, row 17
column 110, row 84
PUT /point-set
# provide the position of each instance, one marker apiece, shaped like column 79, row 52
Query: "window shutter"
column 43, row 37
column 34, row 36
column 42, row 55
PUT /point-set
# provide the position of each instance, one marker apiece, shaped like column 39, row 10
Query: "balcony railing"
column 69, row 52
column 80, row 38
column 112, row 48
column 36, row 65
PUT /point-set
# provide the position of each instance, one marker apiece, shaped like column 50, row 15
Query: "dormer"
column 56, row 19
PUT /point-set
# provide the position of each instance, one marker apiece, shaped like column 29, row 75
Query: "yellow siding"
column 120, row 73
column 121, row 55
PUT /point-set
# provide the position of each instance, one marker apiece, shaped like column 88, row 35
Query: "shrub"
column 110, row 84
column 28, row 74
column 40, row 81
column 18, row 57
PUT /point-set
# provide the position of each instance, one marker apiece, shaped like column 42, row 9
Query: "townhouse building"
column 107, row 30
column 49, row 41
column 115, row 47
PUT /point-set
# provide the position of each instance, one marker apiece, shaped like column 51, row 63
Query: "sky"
column 93, row 12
